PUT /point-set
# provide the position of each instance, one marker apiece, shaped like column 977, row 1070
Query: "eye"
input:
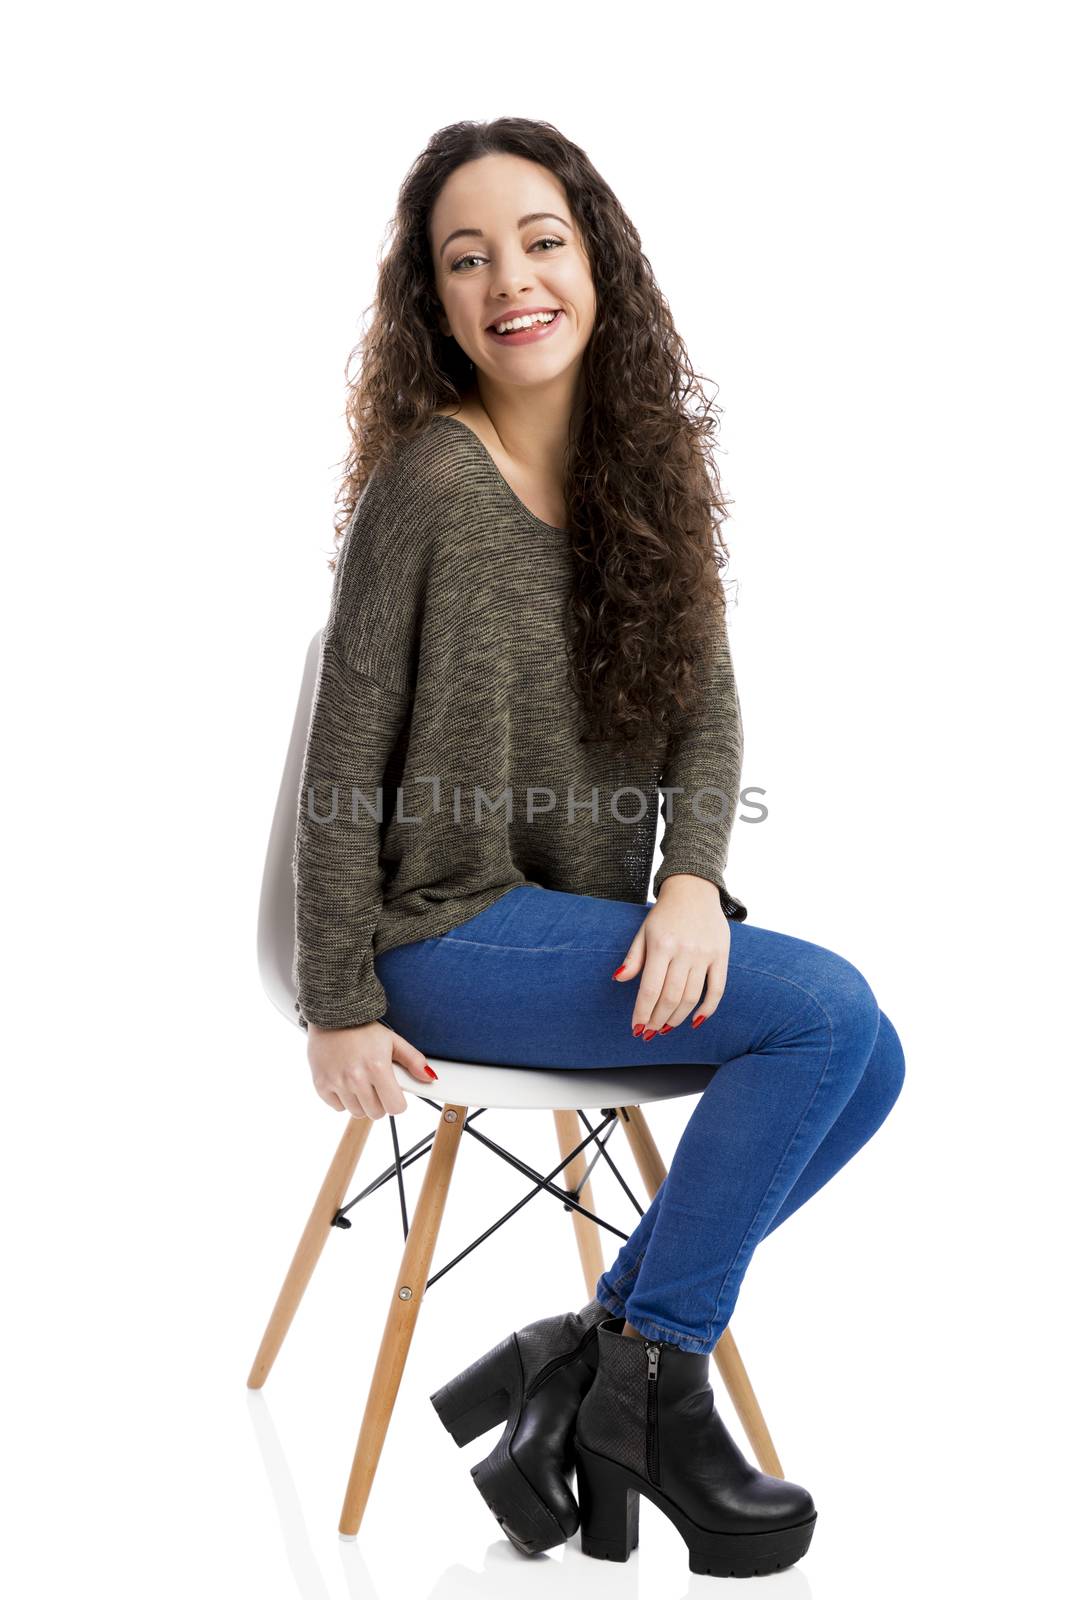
column 475, row 257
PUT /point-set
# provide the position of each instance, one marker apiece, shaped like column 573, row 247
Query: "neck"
column 531, row 427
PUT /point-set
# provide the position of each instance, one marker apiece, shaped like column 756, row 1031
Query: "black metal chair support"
column 569, row 1198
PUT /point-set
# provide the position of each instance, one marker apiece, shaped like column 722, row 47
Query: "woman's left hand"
column 683, row 946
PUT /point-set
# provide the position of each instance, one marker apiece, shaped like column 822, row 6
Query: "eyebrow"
column 478, row 233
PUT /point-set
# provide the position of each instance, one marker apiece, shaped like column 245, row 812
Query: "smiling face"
column 504, row 245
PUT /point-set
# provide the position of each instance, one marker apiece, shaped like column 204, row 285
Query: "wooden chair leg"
column 403, row 1312
column 586, row 1233
column 308, row 1251
column 726, row 1354
column 739, row 1388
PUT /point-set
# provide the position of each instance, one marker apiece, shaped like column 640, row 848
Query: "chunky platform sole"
column 609, row 1498
column 489, row 1392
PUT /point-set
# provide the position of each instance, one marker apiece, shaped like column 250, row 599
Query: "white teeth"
column 523, row 322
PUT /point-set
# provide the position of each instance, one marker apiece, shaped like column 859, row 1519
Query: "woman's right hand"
column 352, row 1068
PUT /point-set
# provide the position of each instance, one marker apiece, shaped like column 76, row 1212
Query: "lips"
column 537, row 333
column 515, row 333
column 511, row 316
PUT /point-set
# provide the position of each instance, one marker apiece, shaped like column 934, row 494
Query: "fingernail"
column 615, row 974
column 698, row 1020
column 666, row 1028
column 429, row 1069
column 649, row 1033
column 637, row 1030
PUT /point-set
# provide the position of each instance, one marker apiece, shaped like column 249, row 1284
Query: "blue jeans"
column 808, row 1067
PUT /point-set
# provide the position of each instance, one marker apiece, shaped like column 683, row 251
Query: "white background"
column 853, row 212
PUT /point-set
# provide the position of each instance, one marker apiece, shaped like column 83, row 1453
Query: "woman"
column 526, row 644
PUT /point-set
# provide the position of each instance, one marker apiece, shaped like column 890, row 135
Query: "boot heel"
column 481, row 1397
column 608, row 1506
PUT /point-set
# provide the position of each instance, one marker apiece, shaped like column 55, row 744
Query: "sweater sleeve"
column 704, row 762
column 367, row 671
column 355, row 725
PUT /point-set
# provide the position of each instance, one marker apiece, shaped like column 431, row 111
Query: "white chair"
column 620, row 1093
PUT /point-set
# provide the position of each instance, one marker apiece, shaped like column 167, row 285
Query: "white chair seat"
column 472, row 1083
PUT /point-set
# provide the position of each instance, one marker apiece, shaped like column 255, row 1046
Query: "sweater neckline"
column 523, row 507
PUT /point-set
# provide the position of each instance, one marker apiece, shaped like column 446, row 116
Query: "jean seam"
column 628, row 1278
column 793, row 984
column 532, row 949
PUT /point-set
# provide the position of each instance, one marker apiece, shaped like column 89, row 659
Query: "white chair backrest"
column 276, row 939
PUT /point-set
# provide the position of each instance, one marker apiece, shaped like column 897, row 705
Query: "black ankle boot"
column 535, row 1379
column 649, row 1426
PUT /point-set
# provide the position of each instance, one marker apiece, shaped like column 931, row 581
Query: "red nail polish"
column 615, row 974
column 649, row 1033
column 698, row 1020
column 666, row 1028
column 637, row 1029
column 429, row 1069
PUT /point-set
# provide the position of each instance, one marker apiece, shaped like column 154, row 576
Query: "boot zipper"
column 652, row 1412
column 561, row 1361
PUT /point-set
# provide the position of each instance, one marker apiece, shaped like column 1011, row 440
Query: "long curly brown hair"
column 641, row 484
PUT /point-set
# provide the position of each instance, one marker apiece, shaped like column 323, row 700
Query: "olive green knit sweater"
column 443, row 765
